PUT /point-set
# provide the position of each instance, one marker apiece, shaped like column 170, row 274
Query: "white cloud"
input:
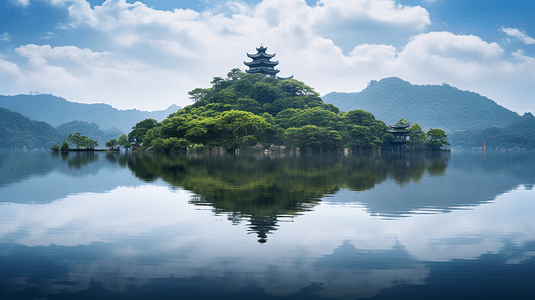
column 383, row 11
column 520, row 35
column 22, row 3
column 4, row 37
column 10, row 73
column 161, row 55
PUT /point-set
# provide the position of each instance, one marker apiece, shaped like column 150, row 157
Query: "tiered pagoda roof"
column 399, row 127
column 261, row 62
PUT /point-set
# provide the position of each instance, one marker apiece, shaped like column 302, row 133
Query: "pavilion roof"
column 397, row 130
column 264, row 62
column 400, row 125
column 261, row 55
column 263, row 70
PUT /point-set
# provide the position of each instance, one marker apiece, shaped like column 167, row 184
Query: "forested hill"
column 432, row 106
column 19, row 131
column 252, row 110
column 519, row 134
column 56, row 110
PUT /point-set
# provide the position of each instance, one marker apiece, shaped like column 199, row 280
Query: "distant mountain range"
column 92, row 131
column 431, row 106
column 519, row 134
column 56, row 110
column 468, row 118
column 18, row 131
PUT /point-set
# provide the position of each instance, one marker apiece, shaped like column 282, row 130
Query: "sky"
column 148, row 54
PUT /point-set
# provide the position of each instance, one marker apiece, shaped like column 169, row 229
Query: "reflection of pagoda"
column 400, row 133
column 262, row 226
column 262, row 63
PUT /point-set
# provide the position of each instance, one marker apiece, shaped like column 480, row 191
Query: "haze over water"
column 394, row 225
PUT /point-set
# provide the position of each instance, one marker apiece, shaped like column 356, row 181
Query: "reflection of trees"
column 262, row 225
column 78, row 159
column 405, row 167
column 264, row 189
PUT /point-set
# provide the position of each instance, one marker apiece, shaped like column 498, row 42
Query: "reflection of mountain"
column 508, row 274
column 42, row 176
column 16, row 166
column 348, row 257
column 471, row 179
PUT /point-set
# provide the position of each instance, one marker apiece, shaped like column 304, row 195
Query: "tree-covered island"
column 253, row 110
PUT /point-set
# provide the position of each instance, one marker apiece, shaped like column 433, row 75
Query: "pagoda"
column 262, row 63
column 400, row 133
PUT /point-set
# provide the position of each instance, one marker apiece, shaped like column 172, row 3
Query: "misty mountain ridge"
column 56, row 110
column 91, row 130
column 431, row 106
column 18, row 131
column 519, row 134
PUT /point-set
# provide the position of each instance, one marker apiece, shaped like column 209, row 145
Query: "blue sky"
column 149, row 54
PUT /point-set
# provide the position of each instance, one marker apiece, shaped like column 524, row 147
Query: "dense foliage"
column 519, row 134
column 247, row 109
column 433, row 106
column 81, row 141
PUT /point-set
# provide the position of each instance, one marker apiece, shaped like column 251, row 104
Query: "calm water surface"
column 393, row 226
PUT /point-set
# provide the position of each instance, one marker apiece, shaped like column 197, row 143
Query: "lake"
column 101, row 225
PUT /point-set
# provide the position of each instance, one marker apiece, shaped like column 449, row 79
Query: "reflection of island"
column 262, row 190
column 262, row 225
column 471, row 179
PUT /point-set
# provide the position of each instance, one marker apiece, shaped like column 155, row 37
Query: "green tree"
column 387, row 138
column 90, row 144
column 313, row 137
column 360, row 137
column 217, row 81
column 136, row 136
column 64, row 146
column 236, row 128
column 436, row 139
column 123, row 141
column 263, row 93
column 197, row 94
column 112, row 144
column 170, row 145
column 359, row 117
column 417, row 137
column 314, row 116
column 76, row 139
column 235, row 74
column 81, row 141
